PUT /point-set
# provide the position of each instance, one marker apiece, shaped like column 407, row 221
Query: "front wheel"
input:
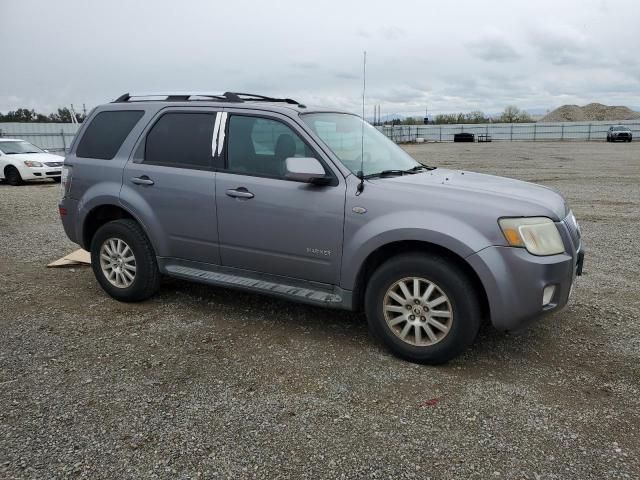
column 423, row 308
column 124, row 262
column 12, row 176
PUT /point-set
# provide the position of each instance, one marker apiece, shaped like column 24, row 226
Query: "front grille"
column 56, row 172
column 53, row 164
column 574, row 229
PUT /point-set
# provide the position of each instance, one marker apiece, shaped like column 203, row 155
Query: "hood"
column 505, row 196
column 35, row 157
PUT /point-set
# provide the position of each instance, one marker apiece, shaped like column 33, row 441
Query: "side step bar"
column 309, row 293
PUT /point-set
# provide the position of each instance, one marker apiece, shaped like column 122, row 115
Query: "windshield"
column 348, row 137
column 20, row 146
column 620, row 129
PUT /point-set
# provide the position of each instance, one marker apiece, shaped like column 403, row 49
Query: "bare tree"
column 513, row 114
column 510, row 114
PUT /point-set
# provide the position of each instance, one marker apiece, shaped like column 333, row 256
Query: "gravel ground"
column 214, row 383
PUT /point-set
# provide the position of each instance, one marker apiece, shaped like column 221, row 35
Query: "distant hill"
column 591, row 112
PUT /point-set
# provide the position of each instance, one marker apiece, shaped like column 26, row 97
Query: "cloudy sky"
column 449, row 56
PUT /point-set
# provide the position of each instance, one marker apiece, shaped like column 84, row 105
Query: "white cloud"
column 478, row 55
column 494, row 47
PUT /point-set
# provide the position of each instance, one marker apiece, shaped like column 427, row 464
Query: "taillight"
column 65, row 180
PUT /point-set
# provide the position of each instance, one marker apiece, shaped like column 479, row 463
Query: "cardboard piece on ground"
column 79, row 257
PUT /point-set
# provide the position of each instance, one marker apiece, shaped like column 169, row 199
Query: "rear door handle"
column 240, row 192
column 143, row 180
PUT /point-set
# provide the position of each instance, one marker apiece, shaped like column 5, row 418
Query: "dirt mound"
column 591, row 112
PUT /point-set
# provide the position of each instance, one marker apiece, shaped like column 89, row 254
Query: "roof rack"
column 234, row 97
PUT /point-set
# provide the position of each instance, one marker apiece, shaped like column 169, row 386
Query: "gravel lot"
column 214, row 383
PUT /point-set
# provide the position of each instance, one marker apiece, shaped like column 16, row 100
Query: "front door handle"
column 240, row 192
column 143, row 180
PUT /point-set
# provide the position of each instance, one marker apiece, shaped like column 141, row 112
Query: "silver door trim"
column 221, row 133
column 214, row 138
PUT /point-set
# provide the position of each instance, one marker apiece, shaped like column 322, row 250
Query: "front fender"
column 364, row 237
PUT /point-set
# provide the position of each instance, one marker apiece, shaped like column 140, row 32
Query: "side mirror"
column 306, row 170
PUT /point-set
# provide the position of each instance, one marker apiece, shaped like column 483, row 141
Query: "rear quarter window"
column 105, row 134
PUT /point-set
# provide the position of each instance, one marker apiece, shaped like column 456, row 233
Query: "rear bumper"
column 515, row 280
column 68, row 218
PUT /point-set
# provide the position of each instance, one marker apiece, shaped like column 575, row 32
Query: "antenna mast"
column 364, row 88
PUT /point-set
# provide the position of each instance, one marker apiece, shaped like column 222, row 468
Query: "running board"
column 337, row 298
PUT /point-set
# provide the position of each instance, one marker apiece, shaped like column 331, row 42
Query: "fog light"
column 547, row 294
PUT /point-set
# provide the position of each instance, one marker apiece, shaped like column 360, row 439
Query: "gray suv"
column 316, row 206
column 619, row 132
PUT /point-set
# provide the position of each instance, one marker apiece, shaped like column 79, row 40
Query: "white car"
column 20, row 161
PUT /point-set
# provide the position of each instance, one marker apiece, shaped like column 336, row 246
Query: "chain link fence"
column 55, row 137
column 510, row 132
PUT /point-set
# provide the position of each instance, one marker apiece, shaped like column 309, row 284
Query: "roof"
column 234, row 99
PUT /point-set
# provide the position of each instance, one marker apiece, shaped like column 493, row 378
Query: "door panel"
column 272, row 225
column 181, row 206
column 286, row 228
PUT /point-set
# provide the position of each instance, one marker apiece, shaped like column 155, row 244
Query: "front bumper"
column 515, row 280
column 28, row 173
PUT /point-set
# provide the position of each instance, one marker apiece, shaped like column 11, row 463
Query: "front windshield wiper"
column 396, row 172
column 386, row 173
column 417, row 168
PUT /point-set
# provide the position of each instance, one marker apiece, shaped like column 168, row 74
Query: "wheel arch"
column 389, row 250
column 100, row 215
column 8, row 167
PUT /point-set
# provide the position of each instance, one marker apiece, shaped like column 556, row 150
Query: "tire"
column 57, row 179
column 146, row 277
column 12, row 176
column 448, row 279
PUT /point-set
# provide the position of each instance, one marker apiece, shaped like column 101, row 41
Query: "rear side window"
column 106, row 132
column 181, row 139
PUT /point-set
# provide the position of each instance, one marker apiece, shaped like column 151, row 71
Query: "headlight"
column 32, row 164
column 539, row 235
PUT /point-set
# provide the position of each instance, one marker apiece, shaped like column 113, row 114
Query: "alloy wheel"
column 417, row 311
column 118, row 263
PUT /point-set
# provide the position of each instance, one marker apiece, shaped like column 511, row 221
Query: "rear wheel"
column 423, row 308
column 12, row 176
column 124, row 262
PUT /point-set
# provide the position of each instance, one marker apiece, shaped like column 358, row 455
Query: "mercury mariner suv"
column 316, row 206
